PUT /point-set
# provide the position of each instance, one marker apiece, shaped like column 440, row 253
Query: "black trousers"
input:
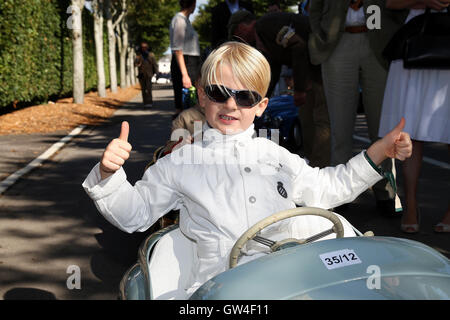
column 193, row 68
column 146, row 88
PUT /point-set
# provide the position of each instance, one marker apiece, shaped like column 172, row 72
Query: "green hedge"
column 36, row 51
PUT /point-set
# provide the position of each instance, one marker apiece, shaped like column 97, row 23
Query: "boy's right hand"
column 115, row 154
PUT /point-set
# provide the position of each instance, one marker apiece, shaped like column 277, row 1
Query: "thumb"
column 398, row 129
column 124, row 131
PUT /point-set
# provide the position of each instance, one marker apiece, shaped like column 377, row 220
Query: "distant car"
column 162, row 78
column 163, row 81
column 281, row 114
column 360, row 267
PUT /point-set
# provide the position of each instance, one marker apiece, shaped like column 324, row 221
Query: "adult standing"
column 271, row 35
column 220, row 15
column 185, row 51
column 351, row 58
column 422, row 96
column 147, row 66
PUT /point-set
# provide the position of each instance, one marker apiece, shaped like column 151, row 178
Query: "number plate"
column 338, row 259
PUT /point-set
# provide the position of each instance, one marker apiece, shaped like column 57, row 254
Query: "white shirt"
column 355, row 17
column 219, row 202
column 183, row 36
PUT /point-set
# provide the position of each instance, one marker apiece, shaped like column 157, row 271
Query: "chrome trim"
column 126, row 276
column 144, row 256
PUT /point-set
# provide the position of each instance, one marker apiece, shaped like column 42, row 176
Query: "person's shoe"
column 386, row 208
column 442, row 228
column 411, row 228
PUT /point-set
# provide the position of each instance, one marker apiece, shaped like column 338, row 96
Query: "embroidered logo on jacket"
column 281, row 190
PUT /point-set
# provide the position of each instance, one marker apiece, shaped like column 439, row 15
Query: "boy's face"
column 228, row 117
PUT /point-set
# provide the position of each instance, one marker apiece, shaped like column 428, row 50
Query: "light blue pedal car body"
column 359, row 268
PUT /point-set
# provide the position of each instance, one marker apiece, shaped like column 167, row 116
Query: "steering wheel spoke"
column 264, row 241
column 319, row 235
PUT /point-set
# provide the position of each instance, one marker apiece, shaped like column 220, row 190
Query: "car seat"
column 169, row 266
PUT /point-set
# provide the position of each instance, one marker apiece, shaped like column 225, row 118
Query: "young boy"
column 229, row 181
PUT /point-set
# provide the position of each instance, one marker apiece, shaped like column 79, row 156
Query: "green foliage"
column 36, row 51
column 36, row 44
column 28, row 50
column 202, row 22
column 149, row 21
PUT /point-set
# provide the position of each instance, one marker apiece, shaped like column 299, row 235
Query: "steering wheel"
column 251, row 234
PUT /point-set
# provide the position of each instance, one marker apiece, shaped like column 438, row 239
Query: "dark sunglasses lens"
column 216, row 94
column 247, row 98
column 244, row 98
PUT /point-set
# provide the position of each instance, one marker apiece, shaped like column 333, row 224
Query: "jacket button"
column 252, row 199
column 247, row 169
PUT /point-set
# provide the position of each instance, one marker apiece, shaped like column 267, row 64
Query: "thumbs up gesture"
column 115, row 154
column 396, row 144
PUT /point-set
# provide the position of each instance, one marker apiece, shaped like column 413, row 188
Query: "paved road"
column 47, row 222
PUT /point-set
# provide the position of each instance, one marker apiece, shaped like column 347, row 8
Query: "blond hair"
column 247, row 64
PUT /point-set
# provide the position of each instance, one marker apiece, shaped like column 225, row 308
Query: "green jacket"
column 327, row 19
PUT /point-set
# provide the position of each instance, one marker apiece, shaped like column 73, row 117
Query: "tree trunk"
column 133, row 69
column 119, row 47
column 111, row 46
column 77, row 43
column 129, row 67
column 97, row 5
column 123, row 54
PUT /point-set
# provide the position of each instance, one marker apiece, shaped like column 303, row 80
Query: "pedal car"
column 336, row 267
column 282, row 114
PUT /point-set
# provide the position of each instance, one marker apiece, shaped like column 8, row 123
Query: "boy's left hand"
column 396, row 144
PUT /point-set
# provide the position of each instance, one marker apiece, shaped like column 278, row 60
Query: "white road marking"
column 11, row 179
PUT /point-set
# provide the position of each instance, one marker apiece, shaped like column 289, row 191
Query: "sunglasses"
column 243, row 98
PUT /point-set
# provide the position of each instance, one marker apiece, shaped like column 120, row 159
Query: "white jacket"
column 226, row 184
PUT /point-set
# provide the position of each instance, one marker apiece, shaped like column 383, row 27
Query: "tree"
column 97, row 6
column 77, row 41
column 113, row 18
column 130, row 67
column 121, row 29
column 149, row 21
column 122, row 35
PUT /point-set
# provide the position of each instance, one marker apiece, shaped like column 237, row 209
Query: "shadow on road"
column 48, row 222
column 28, row 294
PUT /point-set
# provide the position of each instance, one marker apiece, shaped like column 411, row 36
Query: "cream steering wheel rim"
column 338, row 228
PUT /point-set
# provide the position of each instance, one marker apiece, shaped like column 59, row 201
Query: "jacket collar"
column 213, row 136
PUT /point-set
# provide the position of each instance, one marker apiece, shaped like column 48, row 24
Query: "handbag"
column 430, row 48
column 423, row 42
